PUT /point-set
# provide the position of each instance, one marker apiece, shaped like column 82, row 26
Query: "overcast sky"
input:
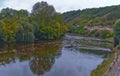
column 60, row 5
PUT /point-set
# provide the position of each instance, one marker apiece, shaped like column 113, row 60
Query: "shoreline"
column 114, row 68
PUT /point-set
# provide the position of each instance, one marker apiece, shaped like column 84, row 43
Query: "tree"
column 21, row 14
column 1, row 32
column 50, row 22
column 7, row 12
column 11, row 13
column 117, row 32
column 21, row 27
column 8, row 29
column 25, row 32
column 41, row 7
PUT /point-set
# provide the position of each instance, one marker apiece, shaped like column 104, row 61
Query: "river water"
column 54, row 58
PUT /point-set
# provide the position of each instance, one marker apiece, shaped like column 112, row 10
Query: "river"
column 69, row 57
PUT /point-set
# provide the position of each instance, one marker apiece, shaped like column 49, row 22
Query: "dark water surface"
column 46, row 59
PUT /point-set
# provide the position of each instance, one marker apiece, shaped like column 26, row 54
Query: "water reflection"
column 48, row 59
column 40, row 56
column 43, row 61
column 40, row 65
column 6, row 55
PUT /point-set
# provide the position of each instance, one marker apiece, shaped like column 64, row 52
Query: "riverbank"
column 108, row 66
column 100, row 70
column 114, row 69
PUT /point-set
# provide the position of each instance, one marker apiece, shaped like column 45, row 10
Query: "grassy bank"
column 102, row 68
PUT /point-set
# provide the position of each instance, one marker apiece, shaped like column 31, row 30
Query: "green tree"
column 117, row 32
column 25, row 32
column 22, row 27
column 8, row 29
column 50, row 22
column 11, row 13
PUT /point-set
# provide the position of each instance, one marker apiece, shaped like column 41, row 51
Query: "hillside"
column 104, row 16
column 90, row 22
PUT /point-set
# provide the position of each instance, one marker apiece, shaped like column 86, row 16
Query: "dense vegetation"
column 104, row 16
column 102, row 68
column 24, row 27
column 88, row 18
column 117, row 33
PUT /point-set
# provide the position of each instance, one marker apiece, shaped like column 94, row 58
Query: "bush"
column 106, row 34
column 92, row 33
column 101, row 34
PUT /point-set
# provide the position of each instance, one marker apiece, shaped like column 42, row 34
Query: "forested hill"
column 104, row 16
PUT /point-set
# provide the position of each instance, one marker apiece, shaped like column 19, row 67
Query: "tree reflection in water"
column 41, row 56
column 6, row 55
column 43, row 60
